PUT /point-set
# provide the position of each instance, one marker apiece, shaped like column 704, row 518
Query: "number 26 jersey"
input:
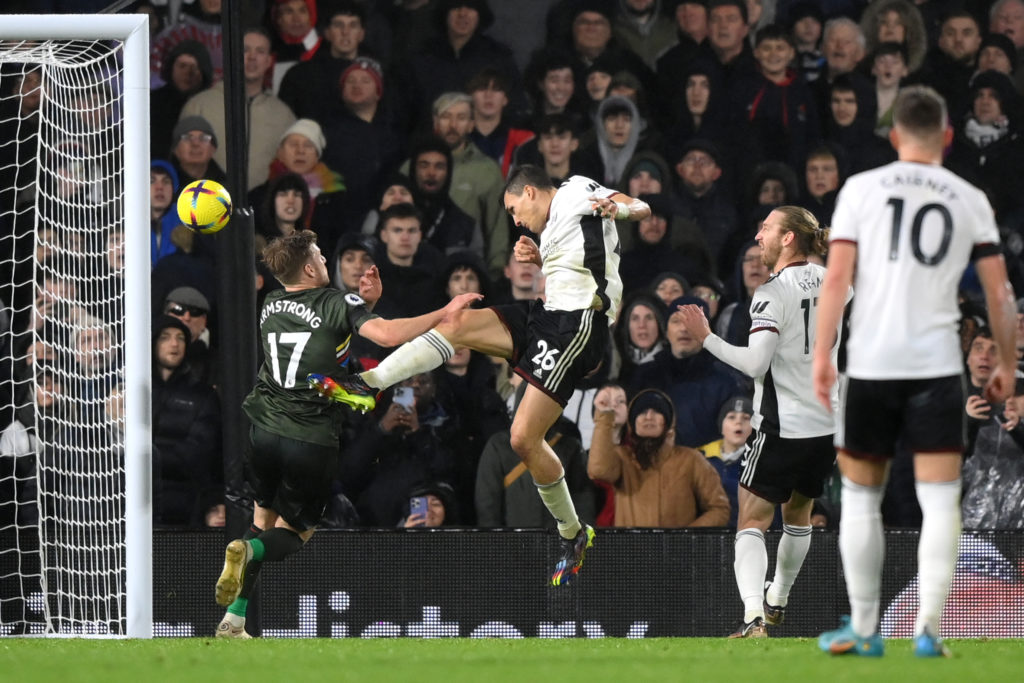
column 916, row 228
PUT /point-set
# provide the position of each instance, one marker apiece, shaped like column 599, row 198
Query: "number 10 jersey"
column 916, row 227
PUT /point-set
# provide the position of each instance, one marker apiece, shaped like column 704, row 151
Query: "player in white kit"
column 790, row 453
column 551, row 344
column 903, row 234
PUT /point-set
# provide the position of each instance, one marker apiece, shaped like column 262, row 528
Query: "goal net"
column 74, row 327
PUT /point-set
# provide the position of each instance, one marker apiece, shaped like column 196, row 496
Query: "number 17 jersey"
column 302, row 332
column 916, row 228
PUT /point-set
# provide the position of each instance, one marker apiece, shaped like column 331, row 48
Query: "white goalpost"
column 75, row 347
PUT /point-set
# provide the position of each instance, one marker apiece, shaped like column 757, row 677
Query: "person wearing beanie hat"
column 353, row 256
column 640, row 334
column 656, row 483
column 791, row 453
column 362, row 87
column 267, row 115
column 997, row 53
column 192, row 145
column 726, row 454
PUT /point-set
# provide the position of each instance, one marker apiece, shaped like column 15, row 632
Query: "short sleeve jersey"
column 784, row 400
column 916, row 227
column 302, row 332
column 580, row 251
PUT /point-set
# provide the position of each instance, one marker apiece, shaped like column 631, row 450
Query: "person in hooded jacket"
column 186, row 71
column 653, row 250
column 617, row 132
column 657, row 483
column 640, row 333
column 163, row 212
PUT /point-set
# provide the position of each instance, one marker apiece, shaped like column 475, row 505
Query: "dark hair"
column 403, row 210
column 556, row 124
column 528, row 174
column 890, row 48
column 486, row 77
column 811, row 237
column 283, row 183
column 774, row 32
column 920, row 111
column 739, row 4
column 286, row 256
column 332, row 8
column 843, row 83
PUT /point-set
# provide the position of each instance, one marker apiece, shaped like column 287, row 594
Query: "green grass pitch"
column 489, row 661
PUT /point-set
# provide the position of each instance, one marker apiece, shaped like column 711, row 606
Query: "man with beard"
column 657, row 484
column 445, row 225
column 790, row 453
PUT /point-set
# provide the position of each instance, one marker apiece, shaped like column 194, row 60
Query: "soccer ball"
column 204, row 206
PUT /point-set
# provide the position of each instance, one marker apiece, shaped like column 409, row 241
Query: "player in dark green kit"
column 304, row 328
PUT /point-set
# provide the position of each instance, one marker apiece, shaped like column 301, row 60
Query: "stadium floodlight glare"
column 75, row 491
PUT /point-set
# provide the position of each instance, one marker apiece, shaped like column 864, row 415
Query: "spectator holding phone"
column 431, row 505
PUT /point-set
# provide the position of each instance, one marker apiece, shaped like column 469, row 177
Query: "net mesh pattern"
column 61, row 361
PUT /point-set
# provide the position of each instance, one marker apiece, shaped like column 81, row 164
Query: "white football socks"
column 750, row 566
column 559, row 503
column 792, row 551
column 422, row 354
column 936, row 550
column 862, row 547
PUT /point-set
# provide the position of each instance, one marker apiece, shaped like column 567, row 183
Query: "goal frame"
column 133, row 31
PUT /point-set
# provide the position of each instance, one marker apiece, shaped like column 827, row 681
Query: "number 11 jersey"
column 916, row 227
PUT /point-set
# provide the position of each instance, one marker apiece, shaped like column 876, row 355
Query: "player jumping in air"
column 551, row 344
column 903, row 235
column 790, row 453
column 304, row 328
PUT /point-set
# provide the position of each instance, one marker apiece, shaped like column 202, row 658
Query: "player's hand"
column 1000, row 385
column 527, row 251
column 977, row 407
column 459, row 302
column 603, row 207
column 694, row 321
column 370, row 288
column 824, row 375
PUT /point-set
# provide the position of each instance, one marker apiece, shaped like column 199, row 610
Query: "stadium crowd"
column 388, row 128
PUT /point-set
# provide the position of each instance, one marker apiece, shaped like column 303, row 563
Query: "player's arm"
column 388, row 333
column 1002, row 316
column 835, row 290
column 752, row 360
column 621, row 207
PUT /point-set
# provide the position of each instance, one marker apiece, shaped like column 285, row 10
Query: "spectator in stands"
column 727, row 51
column 805, row 22
column 993, row 476
column 772, row 183
column 700, row 111
column 181, row 268
column 193, row 144
column 407, row 263
column 284, row 208
column 163, row 213
column 703, row 198
column 553, row 89
column 442, row 508
column 200, row 22
column 187, row 465
column 352, row 256
column 657, row 483
column 300, row 150
column 896, row 21
column 1006, row 17
column 591, row 37
column 361, row 140
column 191, row 306
column 519, row 281
column 506, row 495
column 823, row 176
column 997, row 53
column 445, row 225
column 463, row 271
column 652, row 249
column 642, row 28
column 669, row 286
column 446, row 65
column 777, row 102
column 295, row 38
column 268, row 117
column 492, row 131
column 617, row 128
column 843, row 45
column 949, row 65
column 477, row 184
column 889, row 68
column 95, row 369
column 711, row 291
column 390, row 457
column 726, row 454
column 981, row 359
column 396, row 189
column 988, row 147
column 598, row 78
column 691, row 20
column 553, row 148
column 697, row 384
column 640, row 334
column 185, row 72
column 851, row 133
column 733, row 324
column 303, row 87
